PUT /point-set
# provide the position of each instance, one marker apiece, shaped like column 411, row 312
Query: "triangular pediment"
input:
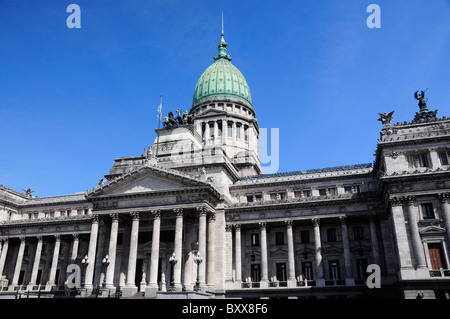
column 147, row 179
column 432, row 230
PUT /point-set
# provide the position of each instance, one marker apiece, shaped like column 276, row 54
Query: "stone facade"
column 199, row 191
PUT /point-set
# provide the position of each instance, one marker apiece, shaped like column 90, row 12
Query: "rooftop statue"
column 424, row 115
column 28, row 192
column 169, row 120
column 386, row 118
column 182, row 118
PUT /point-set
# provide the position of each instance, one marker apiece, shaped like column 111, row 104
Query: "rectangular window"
column 281, row 272
column 334, row 269
column 203, row 129
column 358, row 233
column 322, row 192
column 417, row 160
column 279, row 238
column 255, row 239
column 211, row 130
column 352, row 189
column 331, row 234
column 249, row 198
column 277, row 196
column 238, row 131
column 361, row 267
column 304, row 236
column 229, row 129
column 443, row 156
column 219, row 127
column 246, row 133
column 256, row 272
column 258, row 197
column 427, row 211
column 307, row 270
column 436, row 256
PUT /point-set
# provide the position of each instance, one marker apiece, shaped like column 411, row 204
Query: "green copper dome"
column 222, row 79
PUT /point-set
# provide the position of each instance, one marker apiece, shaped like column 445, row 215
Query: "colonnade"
column 291, row 252
column 206, row 238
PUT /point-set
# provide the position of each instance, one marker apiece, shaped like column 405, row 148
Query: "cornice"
column 335, row 200
column 49, row 221
column 302, row 179
column 172, row 192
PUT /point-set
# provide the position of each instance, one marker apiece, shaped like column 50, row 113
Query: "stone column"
column 178, row 248
column 401, row 240
column 3, row 255
column 228, row 253
column 207, row 133
column 224, row 131
column 52, row 277
column 37, row 259
column 349, row 279
column 109, row 280
column 445, row 208
column 318, row 253
column 264, row 261
column 153, row 282
column 374, row 240
column 19, row 260
column 124, row 255
column 91, row 253
column 189, row 278
column 211, row 250
column 291, row 257
column 415, row 236
column 131, row 273
column 202, row 243
column 216, row 132
column 237, row 248
column 75, row 244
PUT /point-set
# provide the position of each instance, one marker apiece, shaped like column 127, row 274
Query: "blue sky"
column 73, row 100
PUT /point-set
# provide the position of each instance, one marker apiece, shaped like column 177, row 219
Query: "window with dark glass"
column 304, row 236
column 219, row 128
column 211, row 129
column 203, row 129
column 427, row 211
column 279, row 238
column 307, row 270
column 358, row 232
column 331, row 234
column 361, row 267
column 444, row 157
column 255, row 239
column 334, row 269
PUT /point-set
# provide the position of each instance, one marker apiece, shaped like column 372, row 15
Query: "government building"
column 195, row 217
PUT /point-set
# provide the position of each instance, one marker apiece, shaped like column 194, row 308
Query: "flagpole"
column 159, row 123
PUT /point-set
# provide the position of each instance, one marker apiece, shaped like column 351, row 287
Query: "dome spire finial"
column 222, row 24
column 222, row 46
